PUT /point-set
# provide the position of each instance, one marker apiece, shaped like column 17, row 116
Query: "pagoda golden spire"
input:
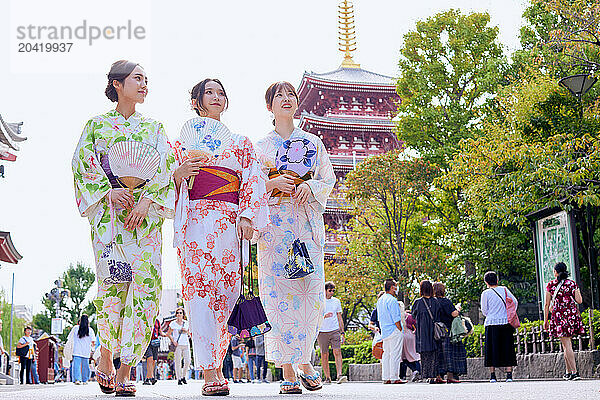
column 347, row 33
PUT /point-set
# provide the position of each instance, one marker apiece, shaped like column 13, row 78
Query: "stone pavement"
column 519, row 390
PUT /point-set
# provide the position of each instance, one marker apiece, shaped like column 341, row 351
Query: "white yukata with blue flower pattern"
column 294, row 307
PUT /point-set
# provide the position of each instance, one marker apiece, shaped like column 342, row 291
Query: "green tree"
column 385, row 193
column 18, row 324
column 78, row 279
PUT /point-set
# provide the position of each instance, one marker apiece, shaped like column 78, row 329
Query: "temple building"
column 351, row 110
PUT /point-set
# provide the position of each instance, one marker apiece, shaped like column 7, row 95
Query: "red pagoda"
column 351, row 110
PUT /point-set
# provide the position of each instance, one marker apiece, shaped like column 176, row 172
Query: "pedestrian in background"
column 562, row 298
column 261, row 364
column 152, row 353
column 389, row 314
column 34, row 365
column 455, row 354
column 25, row 359
column 332, row 333
column 499, row 342
column 178, row 333
column 84, row 339
column 410, row 357
column 236, row 357
column 426, row 311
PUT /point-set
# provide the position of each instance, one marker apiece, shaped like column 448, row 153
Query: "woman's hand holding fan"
column 138, row 214
column 190, row 167
column 123, row 198
column 283, row 183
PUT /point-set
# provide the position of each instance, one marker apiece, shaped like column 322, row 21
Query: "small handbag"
column 440, row 330
column 298, row 263
column 22, row 351
column 511, row 309
column 248, row 317
column 377, row 350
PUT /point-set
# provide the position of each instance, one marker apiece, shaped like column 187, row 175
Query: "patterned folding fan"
column 133, row 163
column 204, row 138
column 297, row 155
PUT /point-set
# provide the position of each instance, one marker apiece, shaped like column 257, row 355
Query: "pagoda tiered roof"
column 9, row 139
column 347, row 123
column 8, row 252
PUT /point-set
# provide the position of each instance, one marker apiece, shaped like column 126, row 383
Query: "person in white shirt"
column 178, row 333
column 84, row 340
column 332, row 332
column 26, row 340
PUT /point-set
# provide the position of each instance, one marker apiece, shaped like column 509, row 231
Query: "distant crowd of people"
column 428, row 338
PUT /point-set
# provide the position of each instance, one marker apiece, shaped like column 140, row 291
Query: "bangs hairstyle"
column 118, row 72
column 182, row 310
column 198, row 91
column 276, row 87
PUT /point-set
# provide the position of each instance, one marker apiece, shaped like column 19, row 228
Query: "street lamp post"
column 57, row 294
column 579, row 85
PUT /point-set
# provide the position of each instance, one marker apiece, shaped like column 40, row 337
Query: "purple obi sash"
column 216, row 183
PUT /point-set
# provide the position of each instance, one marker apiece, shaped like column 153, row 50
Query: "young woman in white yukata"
column 223, row 201
column 125, row 223
column 294, row 307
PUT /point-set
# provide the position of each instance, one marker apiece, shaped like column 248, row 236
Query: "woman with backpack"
column 499, row 342
column 561, row 315
column 84, row 340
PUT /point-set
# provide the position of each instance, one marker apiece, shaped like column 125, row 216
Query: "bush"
column 358, row 336
column 363, row 354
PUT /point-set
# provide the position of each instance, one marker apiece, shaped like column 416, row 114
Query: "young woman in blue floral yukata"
column 294, row 307
column 125, row 224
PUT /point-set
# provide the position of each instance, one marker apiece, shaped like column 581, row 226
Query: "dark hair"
column 387, row 285
column 27, row 327
column 84, row 326
column 118, row 72
column 276, row 87
column 182, row 309
column 198, row 91
column 329, row 285
column 426, row 288
column 439, row 289
column 491, row 278
column 561, row 269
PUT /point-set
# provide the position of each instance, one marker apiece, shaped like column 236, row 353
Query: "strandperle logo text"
column 89, row 33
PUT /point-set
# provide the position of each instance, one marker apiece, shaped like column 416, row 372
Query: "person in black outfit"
column 455, row 354
column 26, row 341
column 432, row 356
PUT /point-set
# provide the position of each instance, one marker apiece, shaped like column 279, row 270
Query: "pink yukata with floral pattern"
column 208, row 246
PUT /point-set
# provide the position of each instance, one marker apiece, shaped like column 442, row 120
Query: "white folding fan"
column 204, row 138
column 133, row 163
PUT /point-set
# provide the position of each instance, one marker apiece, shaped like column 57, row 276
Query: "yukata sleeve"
column 323, row 181
column 91, row 183
column 161, row 188
column 253, row 193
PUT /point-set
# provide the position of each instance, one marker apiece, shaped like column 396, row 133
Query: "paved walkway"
column 519, row 390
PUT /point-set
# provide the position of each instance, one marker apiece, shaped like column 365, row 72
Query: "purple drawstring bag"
column 248, row 317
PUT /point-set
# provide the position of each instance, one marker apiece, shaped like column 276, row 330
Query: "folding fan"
column 133, row 163
column 204, row 138
column 297, row 155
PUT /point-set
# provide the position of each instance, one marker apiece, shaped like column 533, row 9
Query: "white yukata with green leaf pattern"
column 126, row 310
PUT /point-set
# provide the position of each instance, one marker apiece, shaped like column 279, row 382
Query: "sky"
column 246, row 44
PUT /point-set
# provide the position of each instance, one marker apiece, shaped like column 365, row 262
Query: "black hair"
column 27, row 327
column 561, row 269
column 276, row 87
column 329, row 285
column 198, row 91
column 491, row 278
column 426, row 288
column 84, row 326
column 387, row 285
column 118, row 72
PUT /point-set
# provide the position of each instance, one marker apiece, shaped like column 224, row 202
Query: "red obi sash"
column 216, row 183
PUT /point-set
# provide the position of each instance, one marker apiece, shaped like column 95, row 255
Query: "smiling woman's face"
column 213, row 99
column 134, row 88
column 284, row 103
